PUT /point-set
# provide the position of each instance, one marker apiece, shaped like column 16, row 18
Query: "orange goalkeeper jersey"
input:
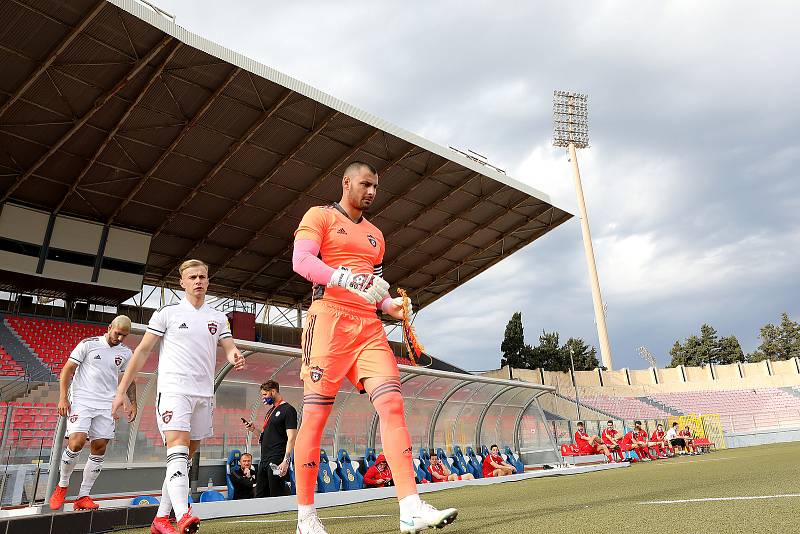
column 342, row 242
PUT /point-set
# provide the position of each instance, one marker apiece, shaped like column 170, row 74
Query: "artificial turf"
column 614, row 501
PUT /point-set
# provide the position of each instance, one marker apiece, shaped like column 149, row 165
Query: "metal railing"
column 21, row 385
column 762, row 420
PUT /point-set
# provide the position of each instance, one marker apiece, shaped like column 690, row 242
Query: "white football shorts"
column 187, row 413
column 96, row 423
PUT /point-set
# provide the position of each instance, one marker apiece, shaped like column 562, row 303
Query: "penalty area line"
column 717, row 499
column 295, row 520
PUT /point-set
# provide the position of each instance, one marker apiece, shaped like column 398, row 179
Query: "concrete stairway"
column 11, row 341
column 660, row 405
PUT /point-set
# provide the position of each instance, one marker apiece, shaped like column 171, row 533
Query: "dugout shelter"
column 128, row 144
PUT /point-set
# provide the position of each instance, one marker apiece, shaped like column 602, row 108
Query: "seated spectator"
column 590, row 444
column 632, row 442
column 243, row 478
column 611, row 439
column 495, row 466
column 441, row 473
column 378, row 475
column 688, row 439
column 642, row 437
column 659, row 441
column 674, row 439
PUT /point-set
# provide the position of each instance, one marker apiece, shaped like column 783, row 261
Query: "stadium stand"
column 625, row 407
column 52, row 340
column 31, row 426
column 9, row 366
column 739, row 410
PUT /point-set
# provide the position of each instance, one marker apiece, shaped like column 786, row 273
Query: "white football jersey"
column 189, row 338
column 97, row 377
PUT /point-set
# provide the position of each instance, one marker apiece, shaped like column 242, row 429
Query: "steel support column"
column 518, row 422
column 485, row 410
column 439, row 408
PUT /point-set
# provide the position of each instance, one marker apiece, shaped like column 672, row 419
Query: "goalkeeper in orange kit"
column 341, row 253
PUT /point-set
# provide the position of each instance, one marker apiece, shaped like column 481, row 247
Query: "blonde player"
column 189, row 332
column 87, row 385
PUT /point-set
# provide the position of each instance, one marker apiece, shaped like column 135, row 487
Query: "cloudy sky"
column 691, row 181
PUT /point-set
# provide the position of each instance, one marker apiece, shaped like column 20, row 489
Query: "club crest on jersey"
column 73, row 418
column 372, row 240
column 118, row 361
column 166, row 416
column 212, row 327
column 316, row 373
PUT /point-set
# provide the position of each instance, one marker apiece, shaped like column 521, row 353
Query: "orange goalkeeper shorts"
column 341, row 342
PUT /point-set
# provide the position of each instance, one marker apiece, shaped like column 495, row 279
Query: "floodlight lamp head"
column 570, row 119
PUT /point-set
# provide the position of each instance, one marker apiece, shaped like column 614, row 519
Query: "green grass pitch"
column 616, row 501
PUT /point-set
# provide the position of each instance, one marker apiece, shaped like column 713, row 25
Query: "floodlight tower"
column 571, row 130
column 647, row 356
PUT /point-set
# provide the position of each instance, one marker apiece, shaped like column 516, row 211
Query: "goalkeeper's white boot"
column 310, row 524
column 425, row 516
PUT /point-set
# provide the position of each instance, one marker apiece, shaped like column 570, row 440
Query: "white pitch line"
column 715, row 499
column 295, row 520
column 687, row 462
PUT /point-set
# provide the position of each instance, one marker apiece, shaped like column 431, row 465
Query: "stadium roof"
column 111, row 112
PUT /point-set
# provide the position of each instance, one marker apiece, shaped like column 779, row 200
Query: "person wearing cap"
column 378, row 475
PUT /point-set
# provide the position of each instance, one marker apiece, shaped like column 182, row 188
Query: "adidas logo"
column 98, row 357
column 183, row 325
column 342, row 231
column 175, row 475
column 310, row 465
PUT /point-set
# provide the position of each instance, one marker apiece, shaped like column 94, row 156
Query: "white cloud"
column 690, row 181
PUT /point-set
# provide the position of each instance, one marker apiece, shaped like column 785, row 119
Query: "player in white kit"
column 189, row 332
column 87, row 383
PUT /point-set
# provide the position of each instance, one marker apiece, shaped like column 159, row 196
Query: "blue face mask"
column 269, row 401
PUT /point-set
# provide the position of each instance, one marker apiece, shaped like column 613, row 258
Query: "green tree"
column 585, row 357
column 780, row 342
column 730, row 351
column 551, row 356
column 706, row 349
column 513, row 345
column 547, row 354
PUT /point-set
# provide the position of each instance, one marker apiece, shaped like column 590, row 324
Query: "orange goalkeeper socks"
column 316, row 409
column 388, row 402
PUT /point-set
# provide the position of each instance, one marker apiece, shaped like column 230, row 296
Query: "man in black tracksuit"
column 243, row 478
column 278, row 435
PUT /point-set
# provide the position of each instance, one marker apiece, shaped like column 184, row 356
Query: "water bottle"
column 275, row 469
column 210, row 483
